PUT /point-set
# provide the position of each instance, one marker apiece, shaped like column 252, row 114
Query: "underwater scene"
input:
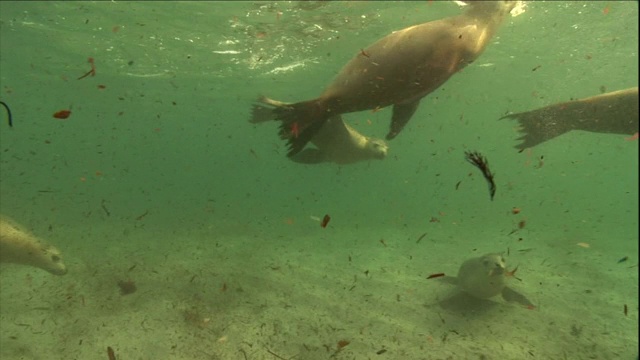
column 318, row 180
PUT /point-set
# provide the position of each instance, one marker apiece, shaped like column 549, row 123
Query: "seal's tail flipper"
column 263, row 110
column 300, row 123
column 609, row 113
column 298, row 138
column 537, row 127
column 261, row 113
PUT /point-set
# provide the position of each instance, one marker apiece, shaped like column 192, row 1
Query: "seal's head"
column 494, row 264
column 378, row 148
column 51, row 261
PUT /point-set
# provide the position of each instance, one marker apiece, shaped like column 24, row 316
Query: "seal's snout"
column 56, row 266
column 381, row 149
column 497, row 270
column 58, row 271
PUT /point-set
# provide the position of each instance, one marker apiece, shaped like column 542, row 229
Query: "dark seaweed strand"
column 8, row 113
column 481, row 163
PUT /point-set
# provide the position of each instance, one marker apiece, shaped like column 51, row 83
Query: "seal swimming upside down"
column 334, row 142
column 399, row 70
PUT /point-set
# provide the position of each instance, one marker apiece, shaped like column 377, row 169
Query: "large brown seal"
column 399, row 70
column 19, row 246
column 334, row 142
column 611, row 113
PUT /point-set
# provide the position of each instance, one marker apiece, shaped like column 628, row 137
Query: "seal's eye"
column 55, row 258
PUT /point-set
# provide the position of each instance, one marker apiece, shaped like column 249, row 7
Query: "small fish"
column 623, row 259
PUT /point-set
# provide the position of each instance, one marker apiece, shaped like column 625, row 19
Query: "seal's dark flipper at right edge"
column 611, row 113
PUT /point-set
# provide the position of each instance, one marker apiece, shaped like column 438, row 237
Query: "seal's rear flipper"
column 537, row 126
column 609, row 113
column 261, row 113
column 511, row 295
column 299, row 137
column 402, row 113
column 263, row 109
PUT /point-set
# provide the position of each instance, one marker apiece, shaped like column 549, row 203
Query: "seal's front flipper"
column 402, row 113
column 309, row 156
column 511, row 295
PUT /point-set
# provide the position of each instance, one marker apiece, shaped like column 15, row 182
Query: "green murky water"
column 158, row 142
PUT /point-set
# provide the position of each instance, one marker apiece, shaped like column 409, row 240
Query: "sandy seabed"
column 334, row 293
